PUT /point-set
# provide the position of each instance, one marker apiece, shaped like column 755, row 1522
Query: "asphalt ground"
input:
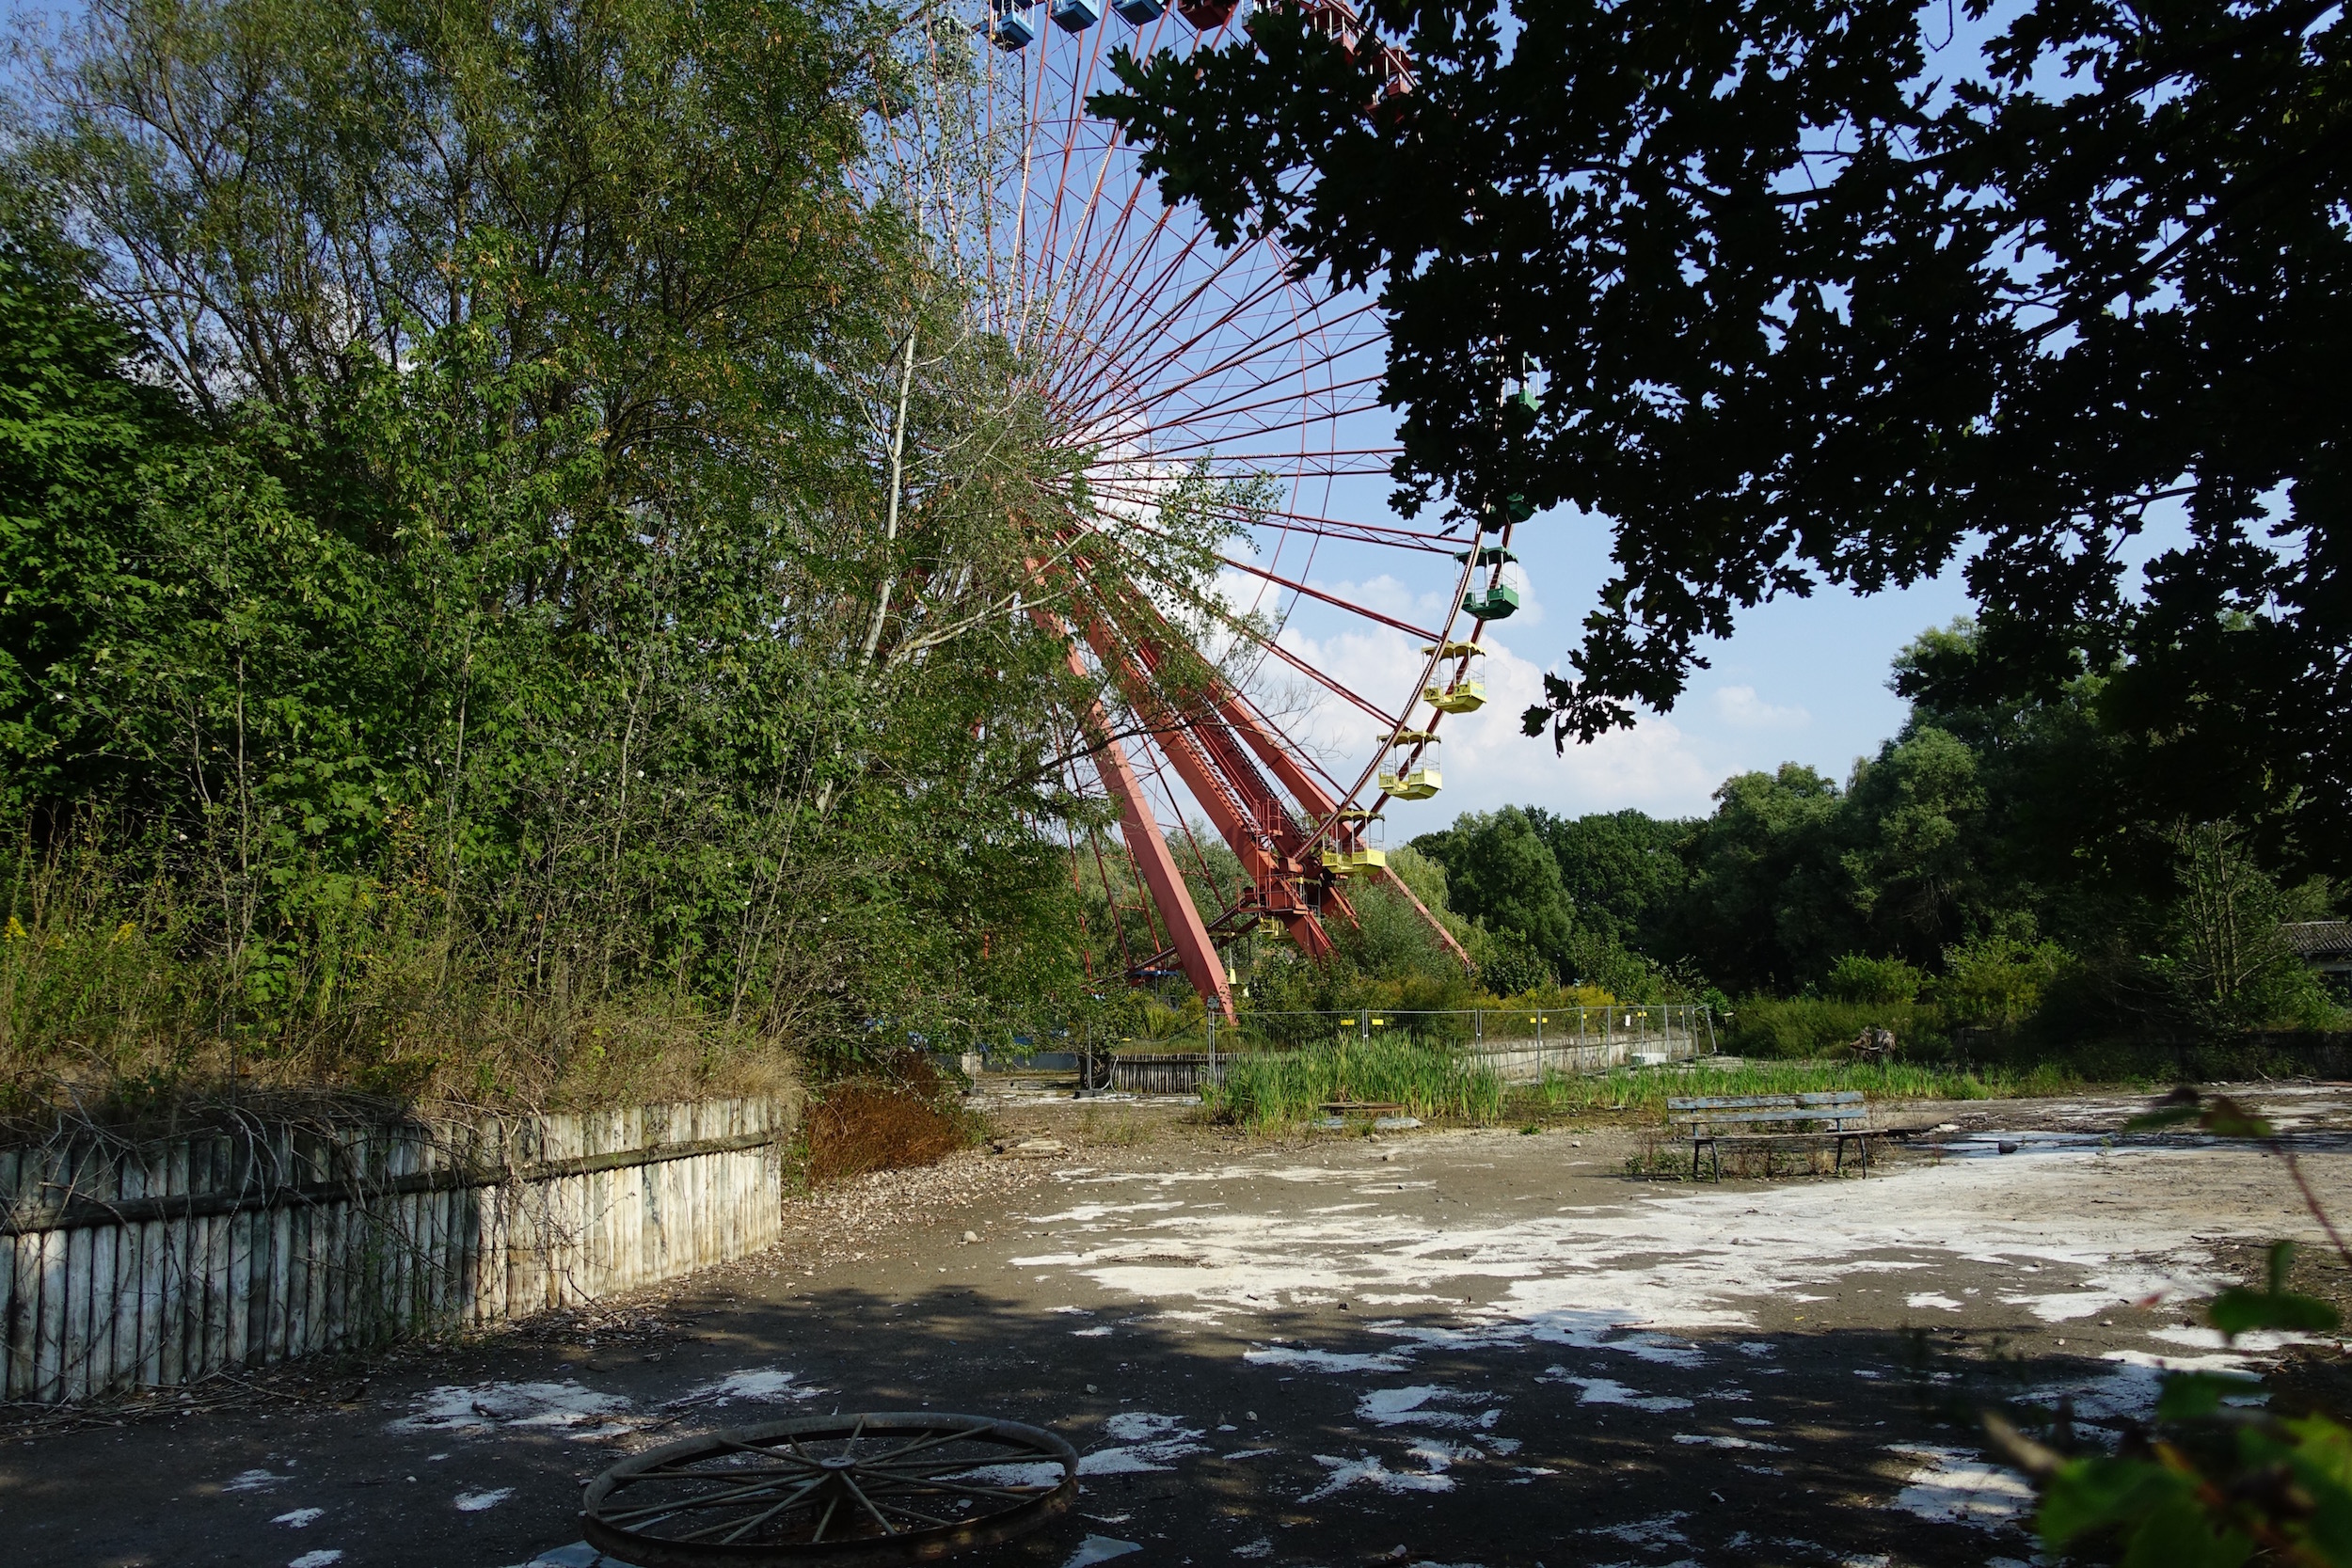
column 1444, row 1347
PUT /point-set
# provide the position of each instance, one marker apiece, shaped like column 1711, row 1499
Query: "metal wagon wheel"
column 874, row 1488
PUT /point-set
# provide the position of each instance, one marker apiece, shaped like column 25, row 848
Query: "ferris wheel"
column 1220, row 450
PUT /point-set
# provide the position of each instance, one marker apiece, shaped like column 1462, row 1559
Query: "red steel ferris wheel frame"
column 1219, row 743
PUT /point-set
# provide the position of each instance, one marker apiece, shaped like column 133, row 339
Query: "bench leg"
column 1694, row 1159
column 1839, row 1167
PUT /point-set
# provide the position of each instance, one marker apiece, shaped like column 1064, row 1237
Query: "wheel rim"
column 879, row 1487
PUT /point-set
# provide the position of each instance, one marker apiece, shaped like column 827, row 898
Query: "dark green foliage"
column 1857, row 977
column 1973, row 875
column 79, row 440
column 1623, row 871
column 1803, row 307
column 1499, row 873
column 480, row 673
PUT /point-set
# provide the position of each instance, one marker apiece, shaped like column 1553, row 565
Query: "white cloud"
column 1742, row 709
column 1487, row 761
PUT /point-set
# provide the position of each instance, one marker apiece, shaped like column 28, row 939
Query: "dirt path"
column 1452, row 1348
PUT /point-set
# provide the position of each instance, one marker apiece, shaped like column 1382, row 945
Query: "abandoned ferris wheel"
column 1209, row 409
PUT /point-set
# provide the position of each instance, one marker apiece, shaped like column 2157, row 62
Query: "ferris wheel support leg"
column 1186, row 932
column 1148, row 846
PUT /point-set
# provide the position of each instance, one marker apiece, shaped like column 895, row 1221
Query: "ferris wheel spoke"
column 1241, row 627
column 1090, row 47
column 1290, row 400
column 1333, row 599
column 1381, row 534
column 1285, row 334
column 1149, row 329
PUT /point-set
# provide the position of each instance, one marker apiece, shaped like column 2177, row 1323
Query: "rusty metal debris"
column 881, row 1487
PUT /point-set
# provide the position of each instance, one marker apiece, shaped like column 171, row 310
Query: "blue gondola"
column 1076, row 16
column 1137, row 11
column 1009, row 33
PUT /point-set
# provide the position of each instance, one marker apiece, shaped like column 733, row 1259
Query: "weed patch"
column 870, row 1124
column 1643, row 1091
column 1275, row 1089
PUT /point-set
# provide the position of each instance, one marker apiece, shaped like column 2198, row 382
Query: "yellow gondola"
column 1418, row 784
column 1342, row 863
column 1458, row 697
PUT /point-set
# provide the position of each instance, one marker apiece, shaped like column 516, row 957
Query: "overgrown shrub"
column 1873, row 982
column 881, row 1122
column 1814, row 1025
column 1998, row 981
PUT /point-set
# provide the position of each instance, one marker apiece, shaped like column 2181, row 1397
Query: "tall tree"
column 1500, row 872
column 1807, row 301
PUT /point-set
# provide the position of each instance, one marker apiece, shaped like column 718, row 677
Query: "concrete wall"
column 132, row 1264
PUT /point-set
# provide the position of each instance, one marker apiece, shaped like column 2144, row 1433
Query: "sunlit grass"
column 1647, row 1089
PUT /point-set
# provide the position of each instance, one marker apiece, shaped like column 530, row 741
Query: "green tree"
column 1623, row 873
column 1914, row 849
column 81, row 437
column 1499, row 873
column 536, row 646
column 1804, row 301
column 1769, row 905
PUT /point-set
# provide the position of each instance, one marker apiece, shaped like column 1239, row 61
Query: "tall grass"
column 1647, row 1091
column 1267, row 1091
column 124, row 991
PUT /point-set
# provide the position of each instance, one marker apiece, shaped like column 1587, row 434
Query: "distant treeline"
column 1992, row 863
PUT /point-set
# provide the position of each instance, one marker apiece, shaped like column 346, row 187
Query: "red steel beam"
column 1186, row 934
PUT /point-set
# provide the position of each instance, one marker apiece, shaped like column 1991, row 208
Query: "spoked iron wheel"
column 874, row 1488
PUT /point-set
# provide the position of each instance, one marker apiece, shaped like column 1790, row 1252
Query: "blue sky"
column 1802, row 680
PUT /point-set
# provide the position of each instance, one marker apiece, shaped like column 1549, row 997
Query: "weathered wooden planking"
column 283, row 1243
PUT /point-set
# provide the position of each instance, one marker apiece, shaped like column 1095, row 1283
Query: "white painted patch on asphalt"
column 252, row 1480
column 1369, row 1471
column 1099, row 1548
column 767, row 1385
column 299, row 1518
column 1085, row 1213
column 476, row 1502
column 1145, row 1426
column 1956, row 1486
column 1324, row 1360
column 1601, row 1391
column 1091, row 1333
column 316, row 1560
column 467, row 1410
column 1932, row 1298
column 1717, row 1440
column 1413, row 1406
column 1262, row 1546
column 1694, row 1261
column 1659, row 1532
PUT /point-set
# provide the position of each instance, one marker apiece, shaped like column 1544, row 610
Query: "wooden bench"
column 1840, row 1116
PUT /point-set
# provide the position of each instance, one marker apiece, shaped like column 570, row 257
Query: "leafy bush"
column 1998, row 981
column 1813, row 1025
column 1858, row 977
column 1509, row 965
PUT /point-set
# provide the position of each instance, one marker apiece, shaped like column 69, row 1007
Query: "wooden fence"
column 127, row 1264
